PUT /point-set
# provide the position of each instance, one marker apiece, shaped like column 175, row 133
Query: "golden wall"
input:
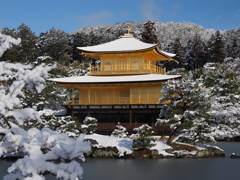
column 124, row 94
column 121, row 63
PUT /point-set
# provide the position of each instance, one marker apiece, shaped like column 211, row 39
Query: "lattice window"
column 107, row 66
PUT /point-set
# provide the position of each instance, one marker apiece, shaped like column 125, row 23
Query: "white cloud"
column 237, row 13
column 175, row 9
column 96, row 19
column 125, row 13
column 150, row 10
column 219, row 17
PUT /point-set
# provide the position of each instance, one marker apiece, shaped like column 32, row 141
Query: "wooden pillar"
column 73, row 96
column 88, row 112
column 72, row 114
column 130, row 115
column 152, row 120
column 88, row 96
column 135, row 118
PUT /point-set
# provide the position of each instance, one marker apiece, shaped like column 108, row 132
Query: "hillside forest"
column 193, row 45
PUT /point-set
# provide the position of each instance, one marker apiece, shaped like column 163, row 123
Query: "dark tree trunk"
column 172, row 136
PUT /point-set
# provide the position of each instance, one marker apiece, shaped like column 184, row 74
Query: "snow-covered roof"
column 115, row 79
column 124, row 44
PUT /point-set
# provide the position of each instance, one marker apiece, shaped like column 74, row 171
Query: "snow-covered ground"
column 125, row 144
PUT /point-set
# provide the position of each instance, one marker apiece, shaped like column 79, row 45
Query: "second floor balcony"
column 136, row 68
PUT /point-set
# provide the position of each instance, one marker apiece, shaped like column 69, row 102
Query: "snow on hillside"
column 166, row 32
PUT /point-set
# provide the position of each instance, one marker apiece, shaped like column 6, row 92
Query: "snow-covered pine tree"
column 189, row 59
column 233, row 49
column 179, row 51
column 224, row 97
column 184, row 105
column 198, row 133
column 54, row 43
column 149, row 33
column 143, row 138
column 9, row 45
column 120, row 131
column 169, row 65
column 78, row 40
column 175, row 47
column 198, row 50
column 24, row 53
column 28, row 44
column 221, row 87
column 216, row 48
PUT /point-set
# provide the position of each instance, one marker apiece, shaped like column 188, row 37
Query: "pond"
column 160, row 169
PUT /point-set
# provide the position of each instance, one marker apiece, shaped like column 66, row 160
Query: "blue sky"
column 71, row 15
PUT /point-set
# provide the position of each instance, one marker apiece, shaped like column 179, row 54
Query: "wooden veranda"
column 129, row 116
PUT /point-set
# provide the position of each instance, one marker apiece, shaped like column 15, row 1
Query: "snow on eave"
column 115, row 79
column 168, row 54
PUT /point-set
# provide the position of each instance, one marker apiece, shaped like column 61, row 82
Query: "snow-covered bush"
column 78, row 69
column 233, row 65
column 62, row 124
column 143, row 138
column 120, row 131
column 65, row 125
column 89, row 124
column 222, row 131
column 77, row 72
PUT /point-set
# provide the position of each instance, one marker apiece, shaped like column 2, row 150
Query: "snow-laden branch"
column 28, row 168
column 40, row 149
column 19, row 80
column 6, row 42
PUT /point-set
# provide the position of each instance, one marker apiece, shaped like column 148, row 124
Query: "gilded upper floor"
column 126, row 55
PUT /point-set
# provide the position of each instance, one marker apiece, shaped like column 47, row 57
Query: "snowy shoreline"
column 114, row 147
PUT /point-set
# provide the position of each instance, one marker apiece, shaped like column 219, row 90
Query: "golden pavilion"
column 124, row 87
